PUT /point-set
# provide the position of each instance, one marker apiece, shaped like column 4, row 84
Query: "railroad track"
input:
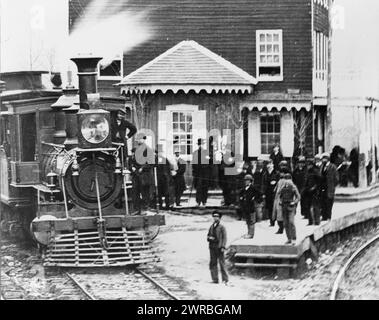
column 146, row 283
column 347, row 266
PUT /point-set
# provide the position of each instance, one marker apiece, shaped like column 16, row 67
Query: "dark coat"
column 200, row 167
column 118, row 132
column 270, row 180
column 217, row 236
column 143, row 171
column 299, row 176
column 313, row 182
column 276, row 158
column 179, row 181
column 247, row 198
column 330, row 179
column 163, row 173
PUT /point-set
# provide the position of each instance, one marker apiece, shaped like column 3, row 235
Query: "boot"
column 281, row 227
column 250, row 231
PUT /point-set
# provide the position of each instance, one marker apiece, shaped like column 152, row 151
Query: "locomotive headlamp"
column 94, row 127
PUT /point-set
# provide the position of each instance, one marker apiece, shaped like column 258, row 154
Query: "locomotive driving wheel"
column 81, row 188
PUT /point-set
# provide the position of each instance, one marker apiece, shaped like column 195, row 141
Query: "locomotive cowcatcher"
column 74, row 192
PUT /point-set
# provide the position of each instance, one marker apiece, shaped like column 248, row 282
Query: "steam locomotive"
column 67, row 193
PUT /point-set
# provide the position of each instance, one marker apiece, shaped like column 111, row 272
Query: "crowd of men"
column 259, row 190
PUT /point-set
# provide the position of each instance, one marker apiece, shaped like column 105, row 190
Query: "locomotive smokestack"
column 87, row 72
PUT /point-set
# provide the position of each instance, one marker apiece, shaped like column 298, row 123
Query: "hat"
column 283, row 163
column 301, row 159
column 287, row 176
column 248, row 177
column 216, row 213
column 325, row 155
column 200, row 141
column 121, row 110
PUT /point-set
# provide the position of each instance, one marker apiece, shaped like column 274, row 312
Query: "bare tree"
column 301, row 128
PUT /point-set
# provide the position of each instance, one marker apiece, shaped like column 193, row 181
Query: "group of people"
column 274, row 192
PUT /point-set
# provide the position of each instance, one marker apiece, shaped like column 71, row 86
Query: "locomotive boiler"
column 79, row 181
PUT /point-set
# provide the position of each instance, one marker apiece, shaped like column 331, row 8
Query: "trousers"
column 217, row 256
column 326, row 206
column 289, row 221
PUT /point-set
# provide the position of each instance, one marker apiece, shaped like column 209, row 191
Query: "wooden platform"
column 267, row 249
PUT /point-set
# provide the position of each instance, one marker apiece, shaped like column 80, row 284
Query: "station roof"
column 188, row 66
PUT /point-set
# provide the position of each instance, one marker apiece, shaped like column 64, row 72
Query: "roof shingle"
column 188, row 66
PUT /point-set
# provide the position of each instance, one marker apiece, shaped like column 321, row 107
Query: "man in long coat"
column 201, row 173
column 178, row 170
column 271, row 179
column 329, row 182
column 299, row 177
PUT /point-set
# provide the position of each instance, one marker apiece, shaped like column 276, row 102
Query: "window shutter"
column 287, row 133
column 254, row 134
column 199, row 127
column 164, row 137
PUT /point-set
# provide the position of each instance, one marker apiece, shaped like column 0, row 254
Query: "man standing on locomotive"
column 118, row 130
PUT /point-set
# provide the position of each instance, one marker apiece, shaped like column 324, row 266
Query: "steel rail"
column 347, row 265
column 90, row 296
column 157, row 284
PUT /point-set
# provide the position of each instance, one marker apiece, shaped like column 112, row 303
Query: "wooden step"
column 265, row 265
column 265, row 256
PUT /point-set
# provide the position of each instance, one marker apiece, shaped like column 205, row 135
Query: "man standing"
column 142, row 168
column 299, row 176
column 179, row 168
column 217, row 243
column 289, row 197
column 312, row 189
column 248, row 196
column 118, row 130
column 226, row 178
column 163, row 177
column 329, row 182
column 271, row 179
column 201, row 173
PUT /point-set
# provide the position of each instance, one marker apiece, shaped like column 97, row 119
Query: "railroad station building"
column 249, row 65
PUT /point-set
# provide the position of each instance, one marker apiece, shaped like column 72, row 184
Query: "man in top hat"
column 299, row 177
column 328, row 187
column 178, row 170
column 201, row 172
column 217, row 243
column 119, row 127
column 247, row 198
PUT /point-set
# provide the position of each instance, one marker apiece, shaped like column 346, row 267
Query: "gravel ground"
column 362, row 278
column 184, row 254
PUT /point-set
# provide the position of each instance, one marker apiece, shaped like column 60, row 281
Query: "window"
column 320, row 61
column 182, row 132
column 269, row 55
column 111, row 70
column 270, row 131
column 28, row 136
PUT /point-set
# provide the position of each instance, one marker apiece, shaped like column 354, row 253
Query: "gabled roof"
column 188, row 66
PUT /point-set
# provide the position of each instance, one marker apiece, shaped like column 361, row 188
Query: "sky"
column 34, row 36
